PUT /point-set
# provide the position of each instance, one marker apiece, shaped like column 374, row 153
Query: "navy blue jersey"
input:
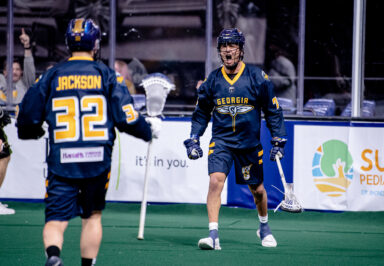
column 236, row 105
column 82, row 102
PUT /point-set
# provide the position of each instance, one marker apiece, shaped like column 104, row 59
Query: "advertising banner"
column 173, row 177
column 339, row 168
column 336, row 167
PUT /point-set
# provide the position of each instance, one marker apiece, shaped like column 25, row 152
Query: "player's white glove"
column 155, row 124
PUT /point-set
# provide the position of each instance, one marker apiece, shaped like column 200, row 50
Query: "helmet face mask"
column 230, row 55
column 230, row 46
column 82, row 35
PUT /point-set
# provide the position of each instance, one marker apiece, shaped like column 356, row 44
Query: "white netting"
column 157, row 86
column 290, row 202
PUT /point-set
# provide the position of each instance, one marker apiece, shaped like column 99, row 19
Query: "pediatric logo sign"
column 332, row 169
column 343, row 173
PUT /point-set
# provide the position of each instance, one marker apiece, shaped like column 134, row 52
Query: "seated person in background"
column 122, row 68
column 328, row 61
column 282, row 73
column 22, row 80
column 341, row 93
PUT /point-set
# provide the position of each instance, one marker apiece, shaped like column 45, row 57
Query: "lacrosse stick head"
column 290, row 202
column 156, row 86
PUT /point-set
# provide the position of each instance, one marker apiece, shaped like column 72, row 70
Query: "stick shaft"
column 281, row 172
column 288, row 193
column 143, row 209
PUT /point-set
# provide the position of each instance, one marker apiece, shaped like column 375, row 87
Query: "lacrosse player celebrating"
column 82, row 102
column 234, row 95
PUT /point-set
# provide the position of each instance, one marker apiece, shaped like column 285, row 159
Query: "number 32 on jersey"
column 86, row 116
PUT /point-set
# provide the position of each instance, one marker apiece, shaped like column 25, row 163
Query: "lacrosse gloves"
column 155, row 124
column 193, row 147
column 277, row 148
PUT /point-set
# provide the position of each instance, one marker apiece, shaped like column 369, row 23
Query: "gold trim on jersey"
column 232, row 81
column 80, row 58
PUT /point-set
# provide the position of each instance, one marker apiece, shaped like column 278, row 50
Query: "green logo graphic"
column 332, row 168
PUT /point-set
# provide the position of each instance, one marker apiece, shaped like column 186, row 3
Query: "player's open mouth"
column 228, row 60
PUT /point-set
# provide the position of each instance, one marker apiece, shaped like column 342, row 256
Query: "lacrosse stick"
column 156, row 86
column 290, row 202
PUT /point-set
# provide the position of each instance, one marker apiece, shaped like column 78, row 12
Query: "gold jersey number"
column 68, row 118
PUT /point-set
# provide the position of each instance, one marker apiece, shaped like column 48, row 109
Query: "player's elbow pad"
column 30, row 132
column 140, row 129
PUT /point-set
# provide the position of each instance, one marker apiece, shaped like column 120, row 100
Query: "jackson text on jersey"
column 83, row 82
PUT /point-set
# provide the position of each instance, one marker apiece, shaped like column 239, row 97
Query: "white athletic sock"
column 263, row 219
column 213, row 226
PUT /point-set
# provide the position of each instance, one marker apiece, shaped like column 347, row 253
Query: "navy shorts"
column 248, row 162
column 67, row 198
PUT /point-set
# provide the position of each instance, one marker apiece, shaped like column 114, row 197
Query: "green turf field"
column 172, row 232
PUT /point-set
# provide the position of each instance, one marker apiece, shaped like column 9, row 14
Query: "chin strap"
column 233, row 67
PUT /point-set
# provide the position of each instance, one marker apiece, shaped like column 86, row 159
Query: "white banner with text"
column 339, row 168
column 173, row 177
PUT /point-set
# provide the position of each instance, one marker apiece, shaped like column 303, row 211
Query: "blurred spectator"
column 325, row 62
column 199, row 84
column 282, row 73
column 138, row 71
column 122, row 68
column 48, row 66
column 341, row 93
column 22, row 80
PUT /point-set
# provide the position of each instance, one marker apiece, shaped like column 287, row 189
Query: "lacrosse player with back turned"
column 82, row 101
column 234, row 95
